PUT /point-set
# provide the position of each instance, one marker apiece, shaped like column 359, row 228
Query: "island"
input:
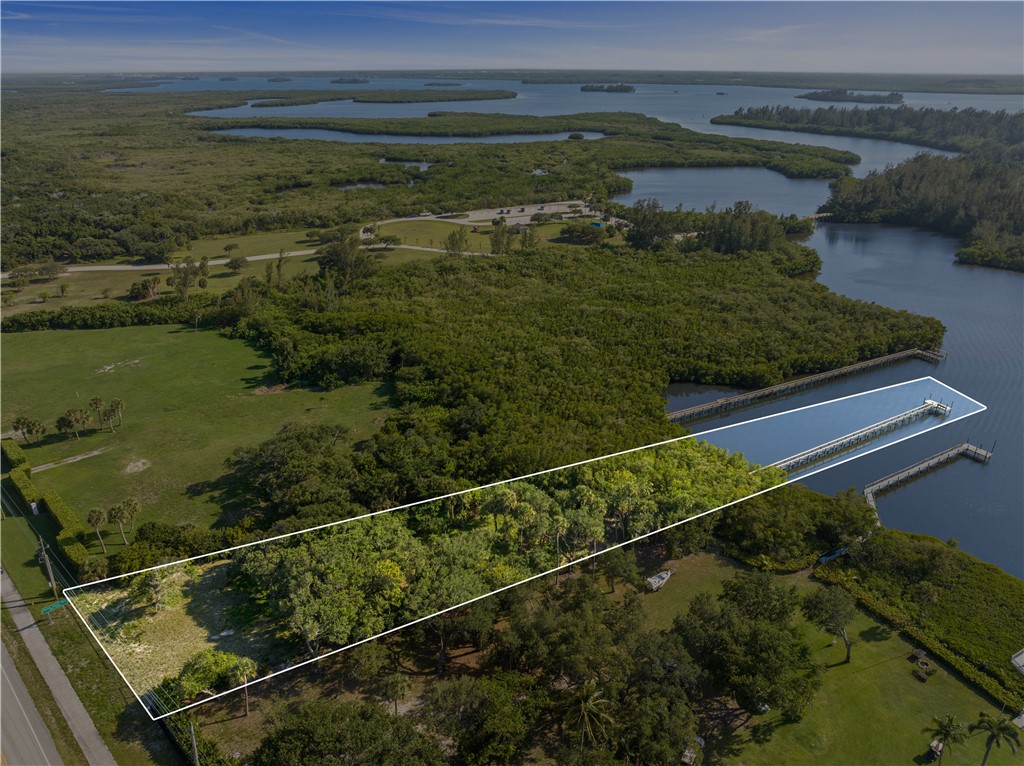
column 618, row 88
column 349, row 81
column 843, row 95
column 279, row 79
column 442, row 85
column 229, row 79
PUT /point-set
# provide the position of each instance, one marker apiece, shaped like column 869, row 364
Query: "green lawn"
column 432, row 233
column 191, row 398
column 867, row 713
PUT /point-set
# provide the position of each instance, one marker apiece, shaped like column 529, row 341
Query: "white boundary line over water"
column 68, row 592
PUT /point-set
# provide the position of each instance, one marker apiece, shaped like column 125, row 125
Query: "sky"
column 197, row 36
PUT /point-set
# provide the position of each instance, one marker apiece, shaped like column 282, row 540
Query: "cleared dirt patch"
column 137, row 466
column 279, row 388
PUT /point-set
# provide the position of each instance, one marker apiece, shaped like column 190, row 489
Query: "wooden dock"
column 928, row 464
column 862, row 435
column 753, row 397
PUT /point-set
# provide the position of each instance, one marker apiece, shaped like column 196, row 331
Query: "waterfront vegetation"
column 954, row 129
column 976, row 196
column 383, row 97
column 841, row 95
column 360, row 380
column 86, row 190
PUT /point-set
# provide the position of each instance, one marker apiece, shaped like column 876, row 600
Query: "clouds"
column 197, row 36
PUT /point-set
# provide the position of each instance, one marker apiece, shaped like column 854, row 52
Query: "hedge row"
column 25, row 487
column 113, row 314
column 71, row 529
column 898, row 619
column 209, row 753
column 15, row 455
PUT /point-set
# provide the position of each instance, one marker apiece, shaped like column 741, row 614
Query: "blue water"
column 769, row 440
column 381, row 138
column 982, row 506
column 691, row 106
column 697, row 188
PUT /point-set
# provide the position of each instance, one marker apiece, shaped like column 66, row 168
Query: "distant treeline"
column 349, row 81
column 913, row 83
column 840, row 94
column 951, row 129
column 387, row 97
column 617, row 88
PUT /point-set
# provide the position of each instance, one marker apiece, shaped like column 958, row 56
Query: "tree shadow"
column 876, row 634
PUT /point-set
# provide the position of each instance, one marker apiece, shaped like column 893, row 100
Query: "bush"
column 62, row 512
column 15, row 455
column 74, row 552
column 23, row 484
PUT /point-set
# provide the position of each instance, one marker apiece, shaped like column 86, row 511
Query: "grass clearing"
column 191, row 398
column 86, row 288
column 875, row 693
column 432, row 233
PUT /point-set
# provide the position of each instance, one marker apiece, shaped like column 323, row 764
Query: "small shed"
column 519, row 228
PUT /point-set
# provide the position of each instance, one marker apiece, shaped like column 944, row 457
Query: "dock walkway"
column 928, row 464
column 742, row 400
column 862, row 435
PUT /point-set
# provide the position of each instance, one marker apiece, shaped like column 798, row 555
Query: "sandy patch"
column 137, row 466
column 115, row 365
column 280, row 387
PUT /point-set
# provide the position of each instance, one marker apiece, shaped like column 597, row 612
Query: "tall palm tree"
column 132, row 507
column 586, row 709
column 96, row 405
column 22, row 425
column 66, row 426
column 242, row 672
column 97, row 518
column 117, row 405
column 117, row 515
column 997, row 731
column 947, row 731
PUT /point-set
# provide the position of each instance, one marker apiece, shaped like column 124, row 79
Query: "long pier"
column 928, row 464
column 929, row 407
column 752, row 397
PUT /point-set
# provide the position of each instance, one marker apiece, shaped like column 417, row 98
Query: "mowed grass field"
column 867, row 713
column 191, row 398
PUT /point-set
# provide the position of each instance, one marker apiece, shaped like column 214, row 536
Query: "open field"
column 191, row 398
column 432, row 233
column 875, row 693
column 87, row 288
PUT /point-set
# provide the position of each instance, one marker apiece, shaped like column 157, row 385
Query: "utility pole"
column 49, row 569
column 195, row 747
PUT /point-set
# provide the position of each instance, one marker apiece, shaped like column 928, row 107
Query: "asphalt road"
column 24, row 738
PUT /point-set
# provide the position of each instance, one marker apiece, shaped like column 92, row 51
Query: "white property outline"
column 67, row 592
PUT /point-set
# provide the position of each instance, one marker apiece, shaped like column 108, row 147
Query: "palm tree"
column 947, row 731
column 22, row 425
column 97, row 518
column 96, row 405
column 66, row 425
column 132, row 507
column 36, row 428
column 586, row 709
column 998, row 731
column 81, row 418
column 117, row 515
column 117, row 405
column 242, row 672
column 109, row 413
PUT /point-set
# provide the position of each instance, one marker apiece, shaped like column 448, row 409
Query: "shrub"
column 62, row 512
column 23, row 484
column 15, row 455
